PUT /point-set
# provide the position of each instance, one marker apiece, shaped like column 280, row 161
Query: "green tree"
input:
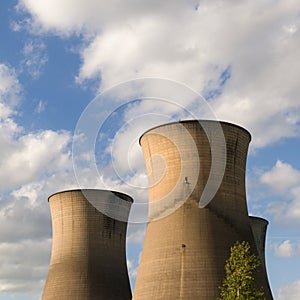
column 240, row 270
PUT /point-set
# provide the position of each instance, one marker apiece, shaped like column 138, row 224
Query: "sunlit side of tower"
column 186, row 246
column 88, row 259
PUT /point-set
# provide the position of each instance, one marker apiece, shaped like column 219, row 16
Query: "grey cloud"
column 24, row 266
column 20, row 220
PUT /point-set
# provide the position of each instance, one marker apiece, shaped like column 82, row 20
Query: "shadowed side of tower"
column 88, row 259
column 259, row 229
column 188, row 237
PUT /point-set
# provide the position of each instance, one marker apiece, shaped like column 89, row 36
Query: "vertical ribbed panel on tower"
column 88, row 259
column 187, row 243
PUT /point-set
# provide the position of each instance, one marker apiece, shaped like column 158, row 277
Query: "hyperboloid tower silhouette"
column 88, row 259
column 197, row 210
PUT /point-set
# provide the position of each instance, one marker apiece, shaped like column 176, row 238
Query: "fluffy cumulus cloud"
column 29, row 164
column 242, row 56
column 281, row 177
column 25, row 232
column 30, row 155
column 24, row 266
column 35, row 164
column 287, row 249
column 25, row 155
column 290, row 292
column 283, row 180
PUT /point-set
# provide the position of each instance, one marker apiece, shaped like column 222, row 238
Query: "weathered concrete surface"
column 88, row 259
column 186, row 247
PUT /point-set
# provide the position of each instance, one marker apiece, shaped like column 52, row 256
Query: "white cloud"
column 125, row 149
column 32, row 164
column 4, row 111
column 25, row 155
column 25, row 223
column 192, row 42
column 24, row 266
column 289, row 292
column 293, row 209
column 194, row 46
column 31, row 155
column 25, row 233
column 75, row 17
column 10, row 90
column 284, row 180
column 135, row 236
column 34, row 57
column 281, row 177
column 284, row 249
column 287, row 248
column 140, row 49
column 132, row 269
column 21, row 220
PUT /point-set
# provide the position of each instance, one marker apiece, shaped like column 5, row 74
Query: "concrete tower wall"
column 88, row 259
column 186, row 247
column 259, row 229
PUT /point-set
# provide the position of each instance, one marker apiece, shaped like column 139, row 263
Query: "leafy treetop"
column 240, row 269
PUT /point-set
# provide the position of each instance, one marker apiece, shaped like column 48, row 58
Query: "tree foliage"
column 240, row 271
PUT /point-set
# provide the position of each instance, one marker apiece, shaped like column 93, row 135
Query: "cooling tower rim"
column 123, row 196
column 260, row 219
column 193, row 121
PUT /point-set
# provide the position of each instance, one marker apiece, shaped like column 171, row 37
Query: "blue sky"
column 57, row 56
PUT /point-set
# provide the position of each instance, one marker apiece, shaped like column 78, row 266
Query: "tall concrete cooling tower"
column 197, row 210
column 88, row 259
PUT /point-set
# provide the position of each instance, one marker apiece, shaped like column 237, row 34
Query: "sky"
column 114, row 69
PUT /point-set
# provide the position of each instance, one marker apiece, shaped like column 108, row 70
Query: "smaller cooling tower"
column 259, row 229
column 88, row 259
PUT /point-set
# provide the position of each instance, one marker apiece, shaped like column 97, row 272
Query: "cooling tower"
column 88, row 259
column 259, row 229
column 197, row 209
